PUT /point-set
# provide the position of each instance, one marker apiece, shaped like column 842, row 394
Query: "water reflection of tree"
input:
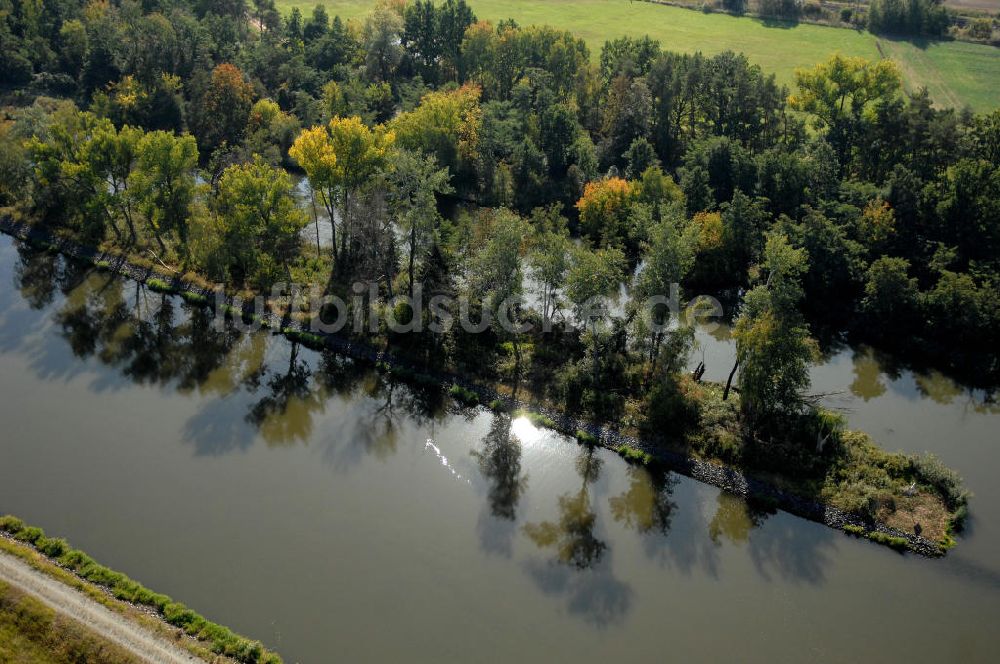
column 500, row 463
column 647, row 505
column 867, row 382
column 146, row 339
column 152, row 338
column 39, row 275
column 735, row 518
column 872, row 367
column 572, row 536
column 582, row 569
column 284, row 412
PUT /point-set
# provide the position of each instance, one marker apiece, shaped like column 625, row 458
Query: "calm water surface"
column 309, row 503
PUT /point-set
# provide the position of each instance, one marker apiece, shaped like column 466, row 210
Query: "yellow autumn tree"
column 446, row 125
column 838, row 93
column 605, row 207
column 340, row 159
column 877, row 224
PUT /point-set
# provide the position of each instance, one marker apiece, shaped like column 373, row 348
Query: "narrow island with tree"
column 449, row 156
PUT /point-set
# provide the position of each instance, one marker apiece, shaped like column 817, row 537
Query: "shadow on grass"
column 779, row 23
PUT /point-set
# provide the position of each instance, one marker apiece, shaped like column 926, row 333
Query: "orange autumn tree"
column 605, row 209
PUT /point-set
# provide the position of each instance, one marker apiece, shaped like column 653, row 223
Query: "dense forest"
column 486, row 160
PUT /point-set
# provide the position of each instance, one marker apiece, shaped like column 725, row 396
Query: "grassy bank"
column 956, row 73
column 844, row 469
column 216, row 638
column 32, row 632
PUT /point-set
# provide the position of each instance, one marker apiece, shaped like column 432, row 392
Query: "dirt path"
column 102, row 621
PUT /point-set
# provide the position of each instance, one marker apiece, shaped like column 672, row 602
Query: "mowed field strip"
column 955, row 73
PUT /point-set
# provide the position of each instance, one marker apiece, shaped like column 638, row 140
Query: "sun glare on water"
column 525, row 431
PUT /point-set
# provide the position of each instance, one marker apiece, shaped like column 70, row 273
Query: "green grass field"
column 956, row 73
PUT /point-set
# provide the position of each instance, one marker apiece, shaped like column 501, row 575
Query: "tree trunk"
column 597, row 355
column 729, row 382
column 131, row 227
column 328, row 202
column 312, row 199
column 346, row 228
column 413, row 250
column 118, row 233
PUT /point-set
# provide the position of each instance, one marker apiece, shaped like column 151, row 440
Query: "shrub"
column 633, row 455
column 585, row 437
column 30, row 534
column 464, row 396
column 76, row 560
column 537, row 419
column 958, row 518
column 498, row 406
column 891, row 541
column 812, row 10
column 11, row 524
column 194, row 298
column 307, row 339
column 160, row 286
column 52, row 547
column 981, row 29
column 929, row 470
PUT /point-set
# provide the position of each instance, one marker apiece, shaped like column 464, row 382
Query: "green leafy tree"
column 627, row 116
column 838, row 92
column 415, row 182
column 594, row 275
column 113, row 154
column 222, row 108
column 668, row 259
column 496, row 277
column 631, row 57
column 773, row 347
column 340, row 159
column 382, row 43
column 549, row 257
column 836, row 263
column 891, row 295
column 744, row 222
column 164, row 183
column 446, row 124
column 641, row 156
column 259, row 221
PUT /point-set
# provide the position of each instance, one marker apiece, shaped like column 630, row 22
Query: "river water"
column 306, row 502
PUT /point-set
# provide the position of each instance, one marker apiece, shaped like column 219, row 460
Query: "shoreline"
column 135, row 630
column 114, row 606
column 727, row 478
